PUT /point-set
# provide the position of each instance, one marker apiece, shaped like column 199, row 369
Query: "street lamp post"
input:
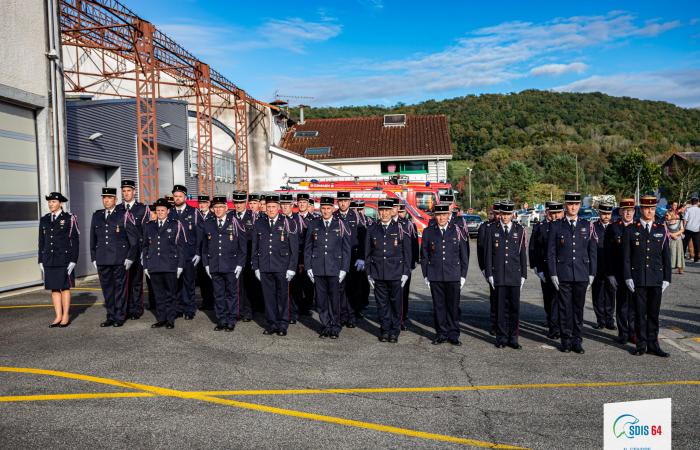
column 470, row 186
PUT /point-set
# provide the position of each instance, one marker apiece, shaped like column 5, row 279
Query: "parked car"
column 589, row 214
column 473, row 223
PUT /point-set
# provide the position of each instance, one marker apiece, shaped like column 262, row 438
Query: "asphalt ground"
column 135, row 387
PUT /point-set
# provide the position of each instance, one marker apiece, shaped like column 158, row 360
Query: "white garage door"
column 19, row 198
column 86, row 183
column 165, row 171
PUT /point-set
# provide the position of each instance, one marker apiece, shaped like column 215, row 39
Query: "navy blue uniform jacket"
column 59, row 241
column 276, row 249
column 444, row 258
column 327, row 250
column 646, row 256
column 572, row 256
column 114, row 240
column 164, row 249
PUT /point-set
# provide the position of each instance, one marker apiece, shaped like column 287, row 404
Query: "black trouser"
column 603, row 300
column 134, row 291
column 151, row 294
column 275, row 289
column 624, row 310
column 405, row 290
column 347, row 314
column 695, row 237
column 358, row 295
column 571, row 299
column 250, row 298
column 301, row 289
column 164, row 285
column 445, row 308
column 493, row 302
column 205, row 287
column 551, row 310
column 647, row 302
column 113, row 283
column 225, row 287
column 387, row 293
column 507, row 314
column 186, row 303
column 328, row 299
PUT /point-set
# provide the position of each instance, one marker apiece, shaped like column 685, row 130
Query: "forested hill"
column 535, row 137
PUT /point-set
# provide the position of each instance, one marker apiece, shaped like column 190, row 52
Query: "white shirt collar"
column 130, row 204
column 644, row 223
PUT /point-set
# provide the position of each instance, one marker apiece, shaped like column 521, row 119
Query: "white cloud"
column 558, row 69
column 486, row 56
column 681, row 87
column 372, row 4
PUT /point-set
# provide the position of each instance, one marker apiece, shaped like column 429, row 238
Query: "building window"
column 398, row 167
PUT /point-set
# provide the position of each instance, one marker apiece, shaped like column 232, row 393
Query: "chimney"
column 301, row 113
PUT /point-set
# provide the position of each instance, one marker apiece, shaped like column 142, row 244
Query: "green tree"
column 621, row 174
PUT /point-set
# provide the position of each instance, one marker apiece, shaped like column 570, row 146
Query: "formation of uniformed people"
column 263, row 255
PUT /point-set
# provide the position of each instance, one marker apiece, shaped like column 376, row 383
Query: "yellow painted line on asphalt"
column 89, row 289
column 48, row 306
column 82, row 396
column 696, row 339
column 261, row 408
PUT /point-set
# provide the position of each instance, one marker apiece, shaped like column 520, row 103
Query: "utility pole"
column 636, row 194
column 576, row 172
column 470, row 186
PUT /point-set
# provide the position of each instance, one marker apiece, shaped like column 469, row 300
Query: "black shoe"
column 350, row 325
column 64, row 325
column 578, row 349
column 178, row 315
column 393, row 339
column 169, row 325
column 56, row 325
column 246, row 319
column 499, row 345
column 659, row 352
column 293, row 322
column 438, row 341
column 269, row 332
column 323, row 334
column 598, row 326
column 455, row 342
column 189, row 316
column 492, row 332
column 219, row 327
column 611, row 327
column 383, row 338
column 282, row 333
column 639, row 351
column 515, row 346
column 160, row 324
column 117, row 324
column 622, row 339
column 229, row 328
column 333, row 335
column 403, row 327
column 107, row 323
column 134, row 317
column 359, row 315
column 565, row 349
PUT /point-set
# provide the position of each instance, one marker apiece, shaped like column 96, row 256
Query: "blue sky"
column 383, row 51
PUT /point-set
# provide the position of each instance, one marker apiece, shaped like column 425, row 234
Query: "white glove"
column 462, row 280
column 427, row 282
column 127, row 264
column 94, row 263
column 41, row 267
column 310, row 273
column 341, row 275
column 360, row 264
column 238, row 271
column 403, row 279
column 522, row 282
column 195, row 259
column 630, row 284
column 590, row 279
column 613, row 281
column 71, row 266
column 145, row 272
column 206, row 268
column 491, row 283
column 371, row 282
column 290, row 275
column 257, row 274
column 664, row 285
column 541, row 276
column 555, row 281
column 179, row 272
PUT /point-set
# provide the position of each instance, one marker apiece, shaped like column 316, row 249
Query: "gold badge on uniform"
column 62, row 222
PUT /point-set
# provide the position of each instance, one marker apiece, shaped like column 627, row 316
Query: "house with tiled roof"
column 396, row 144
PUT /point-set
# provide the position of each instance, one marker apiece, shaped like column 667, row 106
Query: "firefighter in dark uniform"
column 223, row 257
column 301, row 288
column 151, row 296
column 388, row 264
column 287, row 210
column 360, row 276
column 506, row 271
column 571, row 257
column 647, row 272
column 59, row 247
column 602, row 290
column 274, row 262
column 114, row 242
column 248, row 285
column 327, row 262
column 444, row 263
column 538, row 262
column 205, row 285
column 624, row 301
column 481, row 259
column 190, row 219
column 406, row 220
column 139, row 216
column 163, row 260
column 350, row 301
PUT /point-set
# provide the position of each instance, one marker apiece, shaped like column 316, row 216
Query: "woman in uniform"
column 58, row 254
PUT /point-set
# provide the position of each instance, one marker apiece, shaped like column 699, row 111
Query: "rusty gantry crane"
column 120, row 55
